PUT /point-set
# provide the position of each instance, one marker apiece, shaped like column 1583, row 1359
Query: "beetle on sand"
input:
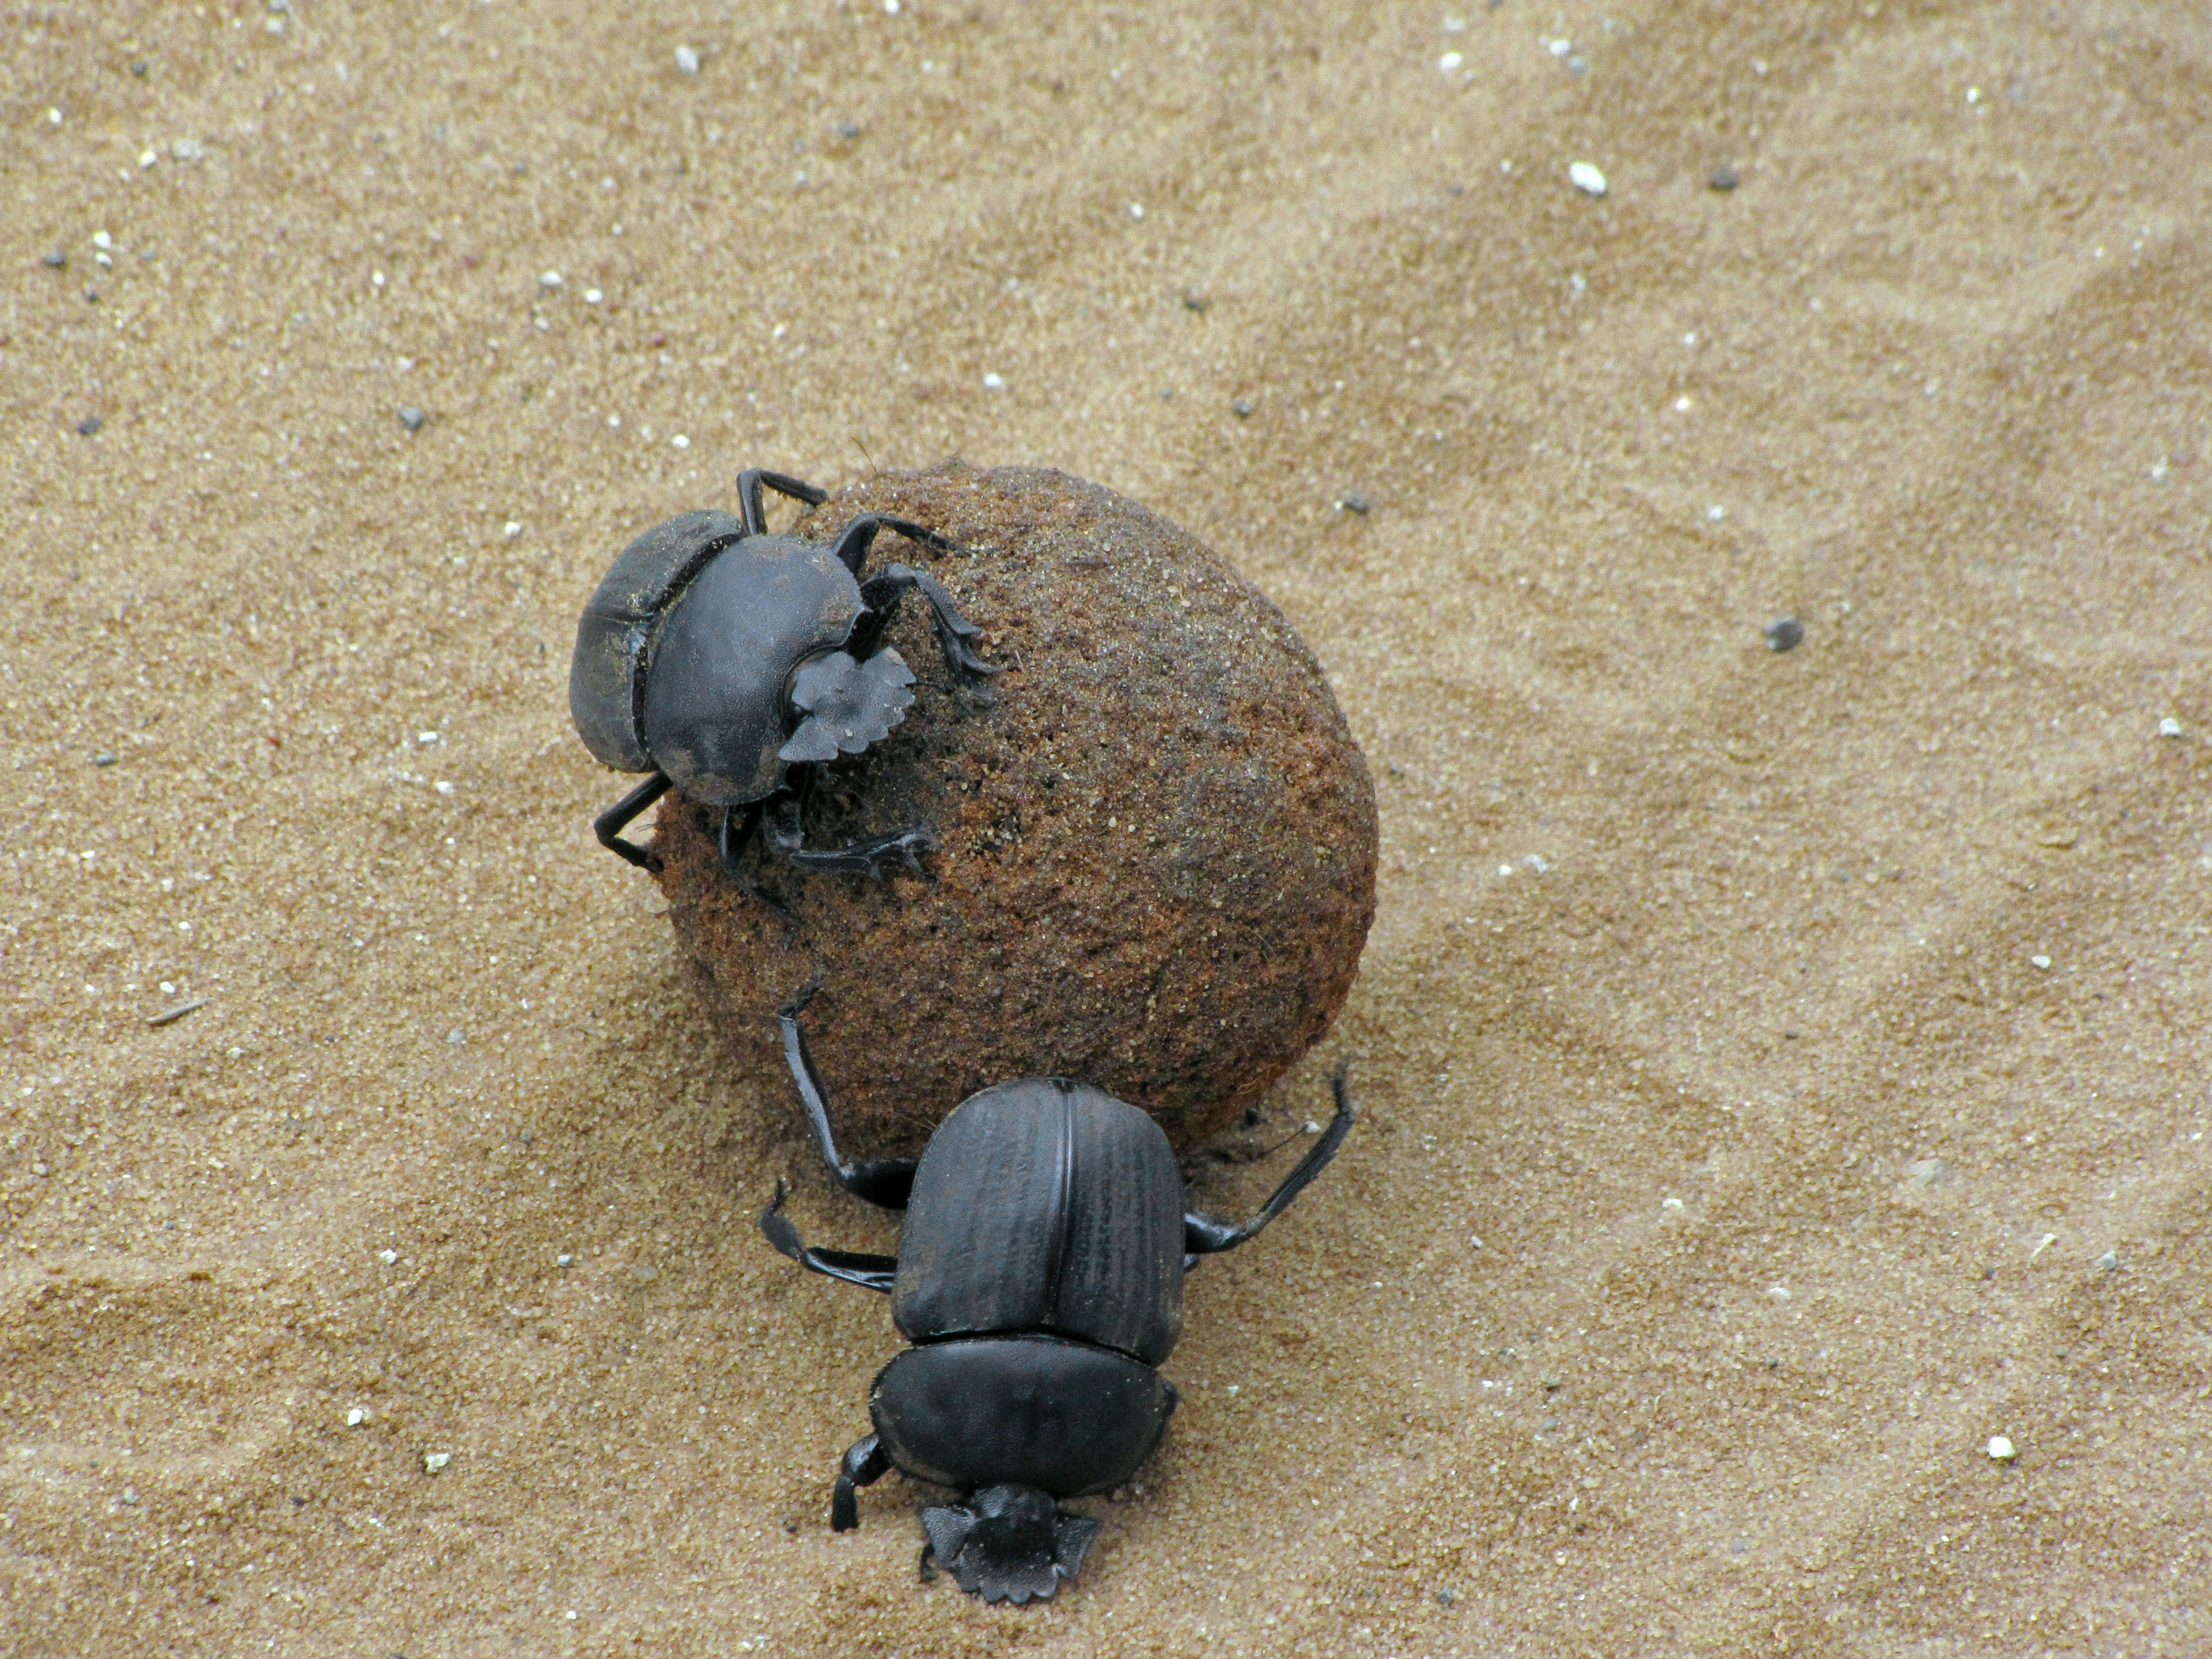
column 733, row 664
column 1039, row 1278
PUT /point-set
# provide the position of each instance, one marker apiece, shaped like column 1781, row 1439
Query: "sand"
column 1783, row 1072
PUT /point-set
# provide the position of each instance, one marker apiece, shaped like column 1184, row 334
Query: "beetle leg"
column 865, row 1463
column 883, row 1182
column 749, row 495
column 882, row 593
column 608, row 824
column 853, row 542
column 1206, row 1235
column 870, row 1273
column 730, row 845
column 783, row 829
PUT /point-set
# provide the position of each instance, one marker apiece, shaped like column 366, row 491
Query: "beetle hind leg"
column 610, row 824
column 750, row 505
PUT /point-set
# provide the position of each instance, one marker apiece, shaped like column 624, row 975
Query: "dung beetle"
column 733, row 664
column 1039, row 1278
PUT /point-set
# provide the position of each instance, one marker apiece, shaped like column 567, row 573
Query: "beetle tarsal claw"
column 849, row 704
column 1012, row 1546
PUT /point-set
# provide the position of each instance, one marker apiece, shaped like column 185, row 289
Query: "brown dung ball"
column 1157, row 839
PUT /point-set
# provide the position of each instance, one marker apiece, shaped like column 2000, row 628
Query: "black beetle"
column 1040, row 1279
column 721, row 659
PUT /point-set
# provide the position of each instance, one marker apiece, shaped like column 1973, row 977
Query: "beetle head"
column 1010, row 1544
column 849, row 705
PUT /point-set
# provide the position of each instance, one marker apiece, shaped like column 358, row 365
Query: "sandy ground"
column 1784, row 1073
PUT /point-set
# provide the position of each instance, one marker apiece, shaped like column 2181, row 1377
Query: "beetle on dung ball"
column 1039, row 1279
column 733, row 664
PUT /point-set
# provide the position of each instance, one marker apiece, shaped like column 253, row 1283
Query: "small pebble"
column 512, row 529
column 687, row 59
column 1929, row 1171
column 2169, row 727
column 411, row 417
column 1784, row 633
column 1353, row 502
column 89, row 426
column 2043, row 963
column 57, row 260
column 1241, row 406
column 548, row 279
column 433, row 1462
column 2001, row 1449
column 457, row 1036
column 187, row 149
column 356, row 1418
column 994, row 382
column 848, row 130
column 593, row 296
column 105, row 757
column 563, row 1260
column 2109, row 1261
column 1586, row 178
column 131, row 1494
column 138, row 69
column 1724, row 179
column 1449, row 61
column 389, row 1258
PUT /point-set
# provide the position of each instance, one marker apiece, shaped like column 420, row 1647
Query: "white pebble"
column 1312, row 1127
column 433, row 1462
column 550, row 279
column 147, row 157
column 2042, row 962
column 356, row 1418
column 2169, row 727
column 102, row 241
column 563, row 1260
column 687, row 59
column 593, row 296
column 890, row 8
column 1505, row 869
column 995, row 382
column 428, row 737
column 2001, row 1449
column 1559, row 48
column 1670, row 1203
column 1682, row 405
column 1449, row 61
column 1586, row 178
column 187, row 149
column 376, row 279
column 442, row 786
column 389, row 1258
column 514, row 528
column 1715, row 514
column 680, row 442
column 1136, row 210
column 54, row 116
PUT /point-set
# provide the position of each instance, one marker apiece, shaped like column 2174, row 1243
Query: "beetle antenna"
column 861, row 445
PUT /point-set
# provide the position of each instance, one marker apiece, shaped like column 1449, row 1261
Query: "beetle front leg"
column 865, row 1463
column 784, row 829
column 882, row 593
column 609, row 825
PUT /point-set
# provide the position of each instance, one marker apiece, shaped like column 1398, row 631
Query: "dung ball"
column 1155, row 837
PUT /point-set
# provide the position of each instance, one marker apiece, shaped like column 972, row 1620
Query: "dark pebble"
column 411, row 417
column 1353, row 502
column 89, row 426
column 138, row 69
column 1242, row 406
column 92, row 296
column 1195, row 301
column 1784, row 633
column 57, row 260
column 1724, row 177
column 848, row 130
